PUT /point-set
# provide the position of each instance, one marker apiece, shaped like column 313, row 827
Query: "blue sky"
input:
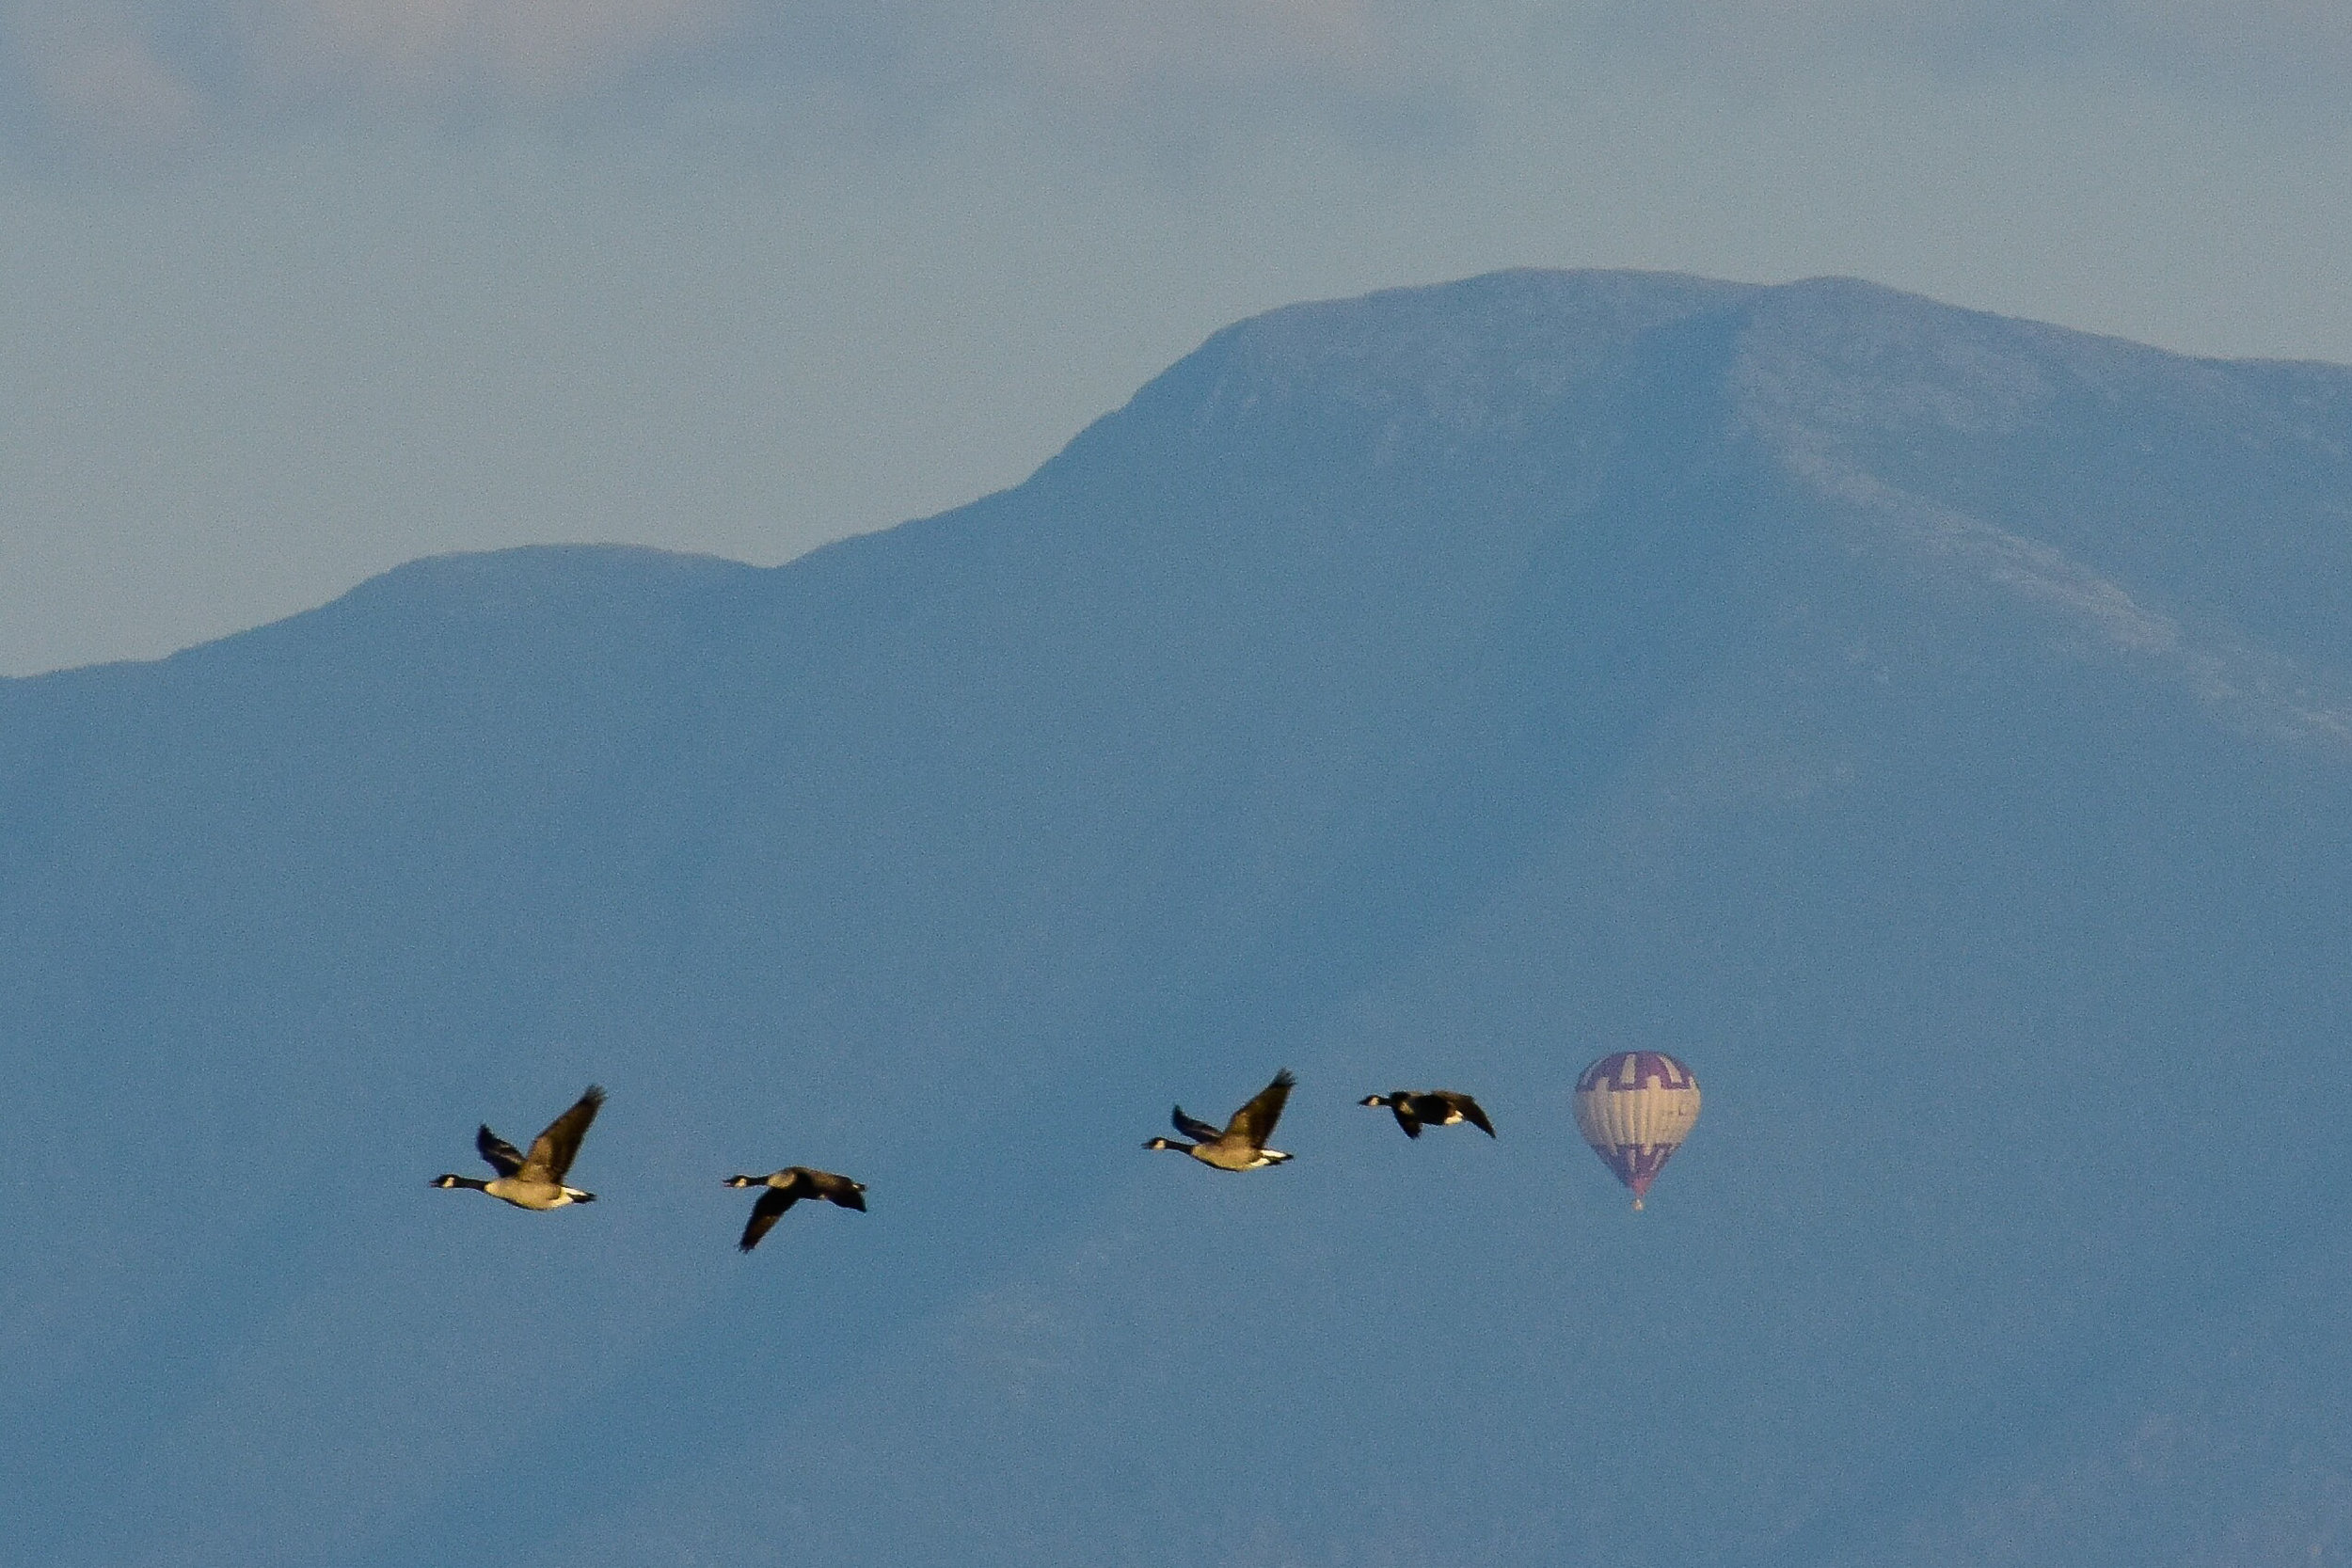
column 300, row 289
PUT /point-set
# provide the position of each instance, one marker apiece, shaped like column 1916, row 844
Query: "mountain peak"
column 1430, row 369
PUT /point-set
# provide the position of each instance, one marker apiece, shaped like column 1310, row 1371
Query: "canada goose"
column 1242, row 1145
column 1437, row 1108
column 536, row 1180
column 786, row 1188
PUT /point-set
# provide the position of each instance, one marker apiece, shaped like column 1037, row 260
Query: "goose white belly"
column 540, row 1195
column 1236, row 1159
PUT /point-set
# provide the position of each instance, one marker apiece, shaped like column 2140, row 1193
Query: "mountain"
column 1935, row 728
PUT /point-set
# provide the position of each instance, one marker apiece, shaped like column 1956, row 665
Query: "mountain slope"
column 1934, row 727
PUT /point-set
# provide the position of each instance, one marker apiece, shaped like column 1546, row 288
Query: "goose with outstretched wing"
column 535, row 1180
column 1241, row 1145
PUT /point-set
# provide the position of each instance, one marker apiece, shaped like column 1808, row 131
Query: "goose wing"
column 503, row 1157
column 834, row 1189
column 1469, row 1109
column 1403, row 1106
column 1192, row 1127
column 1253, row 1124
column 773, row 1202
column 551, row 1152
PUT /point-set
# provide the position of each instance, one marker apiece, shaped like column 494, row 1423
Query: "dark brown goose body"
column 786, row 1188
column 1435, row 1108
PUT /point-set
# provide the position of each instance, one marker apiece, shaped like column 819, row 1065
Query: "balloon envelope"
column 1636, row 1108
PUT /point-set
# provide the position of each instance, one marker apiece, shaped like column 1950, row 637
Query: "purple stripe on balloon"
column 1637, row 1164
column 1636, row 1069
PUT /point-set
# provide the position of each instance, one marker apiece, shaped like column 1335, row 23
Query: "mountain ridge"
column 1554, row 299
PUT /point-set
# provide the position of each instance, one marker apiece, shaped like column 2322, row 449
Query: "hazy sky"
column 297, row 290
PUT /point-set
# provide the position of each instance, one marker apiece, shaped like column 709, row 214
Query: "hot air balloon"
column 1636, row 1108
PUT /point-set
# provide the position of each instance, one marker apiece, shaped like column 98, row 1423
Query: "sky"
column 298, row 289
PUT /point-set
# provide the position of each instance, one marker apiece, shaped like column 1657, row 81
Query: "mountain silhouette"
column 1934, row 728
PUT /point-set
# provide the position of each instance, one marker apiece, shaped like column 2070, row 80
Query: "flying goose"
column 536, row 1180
column 1242, row 1145
column 786, row 1188
column 1437, row 1108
